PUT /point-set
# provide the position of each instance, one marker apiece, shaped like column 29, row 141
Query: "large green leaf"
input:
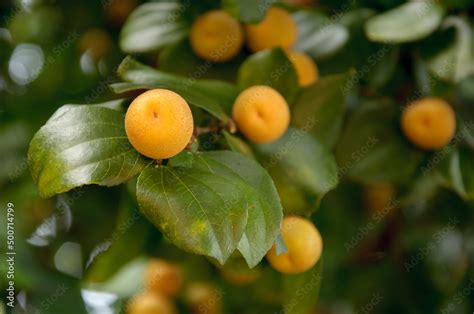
column 320, row 108
column 409, row 22
column 372, row 148
column 301, row 291
column 457, row 171
column 455, row 62
column 225, row 200
column 302, row 168
column 212, row 96
column 272, row 68
column 318, row 35
column 79, row 145
column 154, row 25
column 247, row 11
column 180, row 59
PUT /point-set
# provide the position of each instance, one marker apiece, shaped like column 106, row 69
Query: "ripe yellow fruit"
column 96, row 42
column 159, row 123
column 305, row 67
column 379, row 198
column 163, row 277
column 204, row 298
column 304, row 244
column 277, row 29
column 150, row 303
column 261, row 114
column 429, row 123
column 216, row 36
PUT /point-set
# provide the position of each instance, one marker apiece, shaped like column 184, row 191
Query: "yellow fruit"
column 216, row 36
column 261, row 114
column 204, row 298
column 159, row 123
column 429, row 123
column 304, row 245
column 96, row 42
column 305, row 68
column 379, row 198
column 117, row 11
column 277, row 29
column 150, row 303
column 163, row 277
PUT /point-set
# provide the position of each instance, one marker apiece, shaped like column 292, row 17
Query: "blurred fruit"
column 304, row 245
column 159, row 123
column 429, row 123
column 96, row 42
column 150, row 303
column 305, row 67
column 378, row 198
column 163, row 277
column 204, row 298
column 240, row 276
column 216, row 36
column 117, row 11
column 261, row 114
column 276, row 30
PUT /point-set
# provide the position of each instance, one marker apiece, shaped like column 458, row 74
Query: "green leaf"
column 154, row 25
column 455, row 62
column 320, row 108
column 225, row 200
column 180, row 59
column 79, row 145
column 212, row 96
column 409, row 22
column 303, row 170
column 301, row 291
column 247, row 11
column 318, row 35
column 457, row 171
column 272, row 68
column 372, row 148
column 236, row 144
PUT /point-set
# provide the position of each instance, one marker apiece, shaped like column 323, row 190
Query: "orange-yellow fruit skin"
column 159, row 123
column 277, row 29
column 429, row 123
column 305, row 68
column 96, row 42
column 216, row 36
column 204, row 298
column 163, row 277
column 150, row 303
column 304, row 245
column 261, row 114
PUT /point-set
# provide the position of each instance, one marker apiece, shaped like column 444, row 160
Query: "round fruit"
column 276, row 30
column 429, row 123
column 304, row 245
column 305, row 68
column 379, row 198
column 163, row 277
column 216, row 36
column 96, row 42
column 261, row 114
column 159, row 123
column 204, row 298
column 150, row 303
column 117, row 11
